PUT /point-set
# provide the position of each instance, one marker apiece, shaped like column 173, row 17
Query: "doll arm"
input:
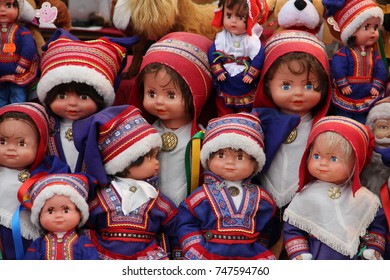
column 296, row 243
column 265, row 217
column 379, row 75
column 373, row 243
column 216, row 64
column 28, row 48
column 88, row 250
column 189, row 228
column 36, row 251
column 339, row 67
column 169, row 226
column 255, row 66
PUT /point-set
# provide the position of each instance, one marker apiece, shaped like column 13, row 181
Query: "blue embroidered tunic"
column 210, row 226
column 141, row 234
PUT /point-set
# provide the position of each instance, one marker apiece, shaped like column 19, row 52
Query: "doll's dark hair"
column 125, row 172
column 79, row 89
column 242, row 6
column 19, row 116
column 308, row 64
column 156, row 67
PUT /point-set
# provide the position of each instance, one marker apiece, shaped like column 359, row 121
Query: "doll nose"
column 300, row 4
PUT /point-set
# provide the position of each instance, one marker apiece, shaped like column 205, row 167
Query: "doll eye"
column 84, row 97
column 2, row 141
column 151, row 93
column 309, row 86
column 171, row 95
column 66, row 210
column 376, row 27
column 333, row 159
column 61, row 96
column 220, row 155
column 22, row 143
column 316, row 156
column 229, row 15
column 286, row 87
column 9, row 5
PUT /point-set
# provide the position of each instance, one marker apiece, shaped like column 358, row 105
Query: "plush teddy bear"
column 155, row 18
column 297, row 14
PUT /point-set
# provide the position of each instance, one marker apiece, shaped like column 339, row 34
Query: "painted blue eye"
column 316, row 156
column 309, row 87
column 333, row 159
column 286, row 87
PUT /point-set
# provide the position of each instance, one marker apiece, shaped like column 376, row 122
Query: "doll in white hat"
column 128, row 214
column 228, row 216
column 59, row 209
column 359, row 73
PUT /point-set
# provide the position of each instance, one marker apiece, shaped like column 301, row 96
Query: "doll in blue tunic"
column 228, row 216
column 60, row 209
column 358, row 70
column 334, row 217
column 78, row 79
column 19, row 59
column 237, row 56
column 129, row 218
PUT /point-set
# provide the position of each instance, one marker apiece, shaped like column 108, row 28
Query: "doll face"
column 59, row 214
column 231, row 164
column 368, row 33
column 163, row 99
column 149, row 167
column 327, row 164
column 18, row 144
column 71, row 106
column 233, row 21
column 381, row 132
column 294, row 93
column 8, row 12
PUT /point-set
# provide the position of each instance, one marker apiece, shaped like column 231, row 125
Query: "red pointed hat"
column 258, row 13
column 357, row 134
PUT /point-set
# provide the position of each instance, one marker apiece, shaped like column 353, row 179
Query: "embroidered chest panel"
column 111, row 203
column 228, row 218
column 364, row 65
column 60, row 249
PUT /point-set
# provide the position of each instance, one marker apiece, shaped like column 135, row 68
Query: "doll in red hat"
column 59, row 209
column 23, row 142
column 333, row 217
column 174, row 84
column 359, row 72
column 237, row 56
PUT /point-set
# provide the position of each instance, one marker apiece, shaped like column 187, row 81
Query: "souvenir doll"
column 375, row 176
column 59, row 209
column 228, row 216
column 293, row 93
column 377, row 171
column 174, row 84
column 23, row 142
column 334, row 217
column 77, row 80
column 19, row 60
column 237, row 56
column 128, row 214
column 358, row 70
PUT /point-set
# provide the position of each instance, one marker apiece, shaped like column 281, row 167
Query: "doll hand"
column 346, row 91
column 374, row 92
column 247, row 79
column 304, row 256
column 371, row 254
column 221, row 77
column 20, row 70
